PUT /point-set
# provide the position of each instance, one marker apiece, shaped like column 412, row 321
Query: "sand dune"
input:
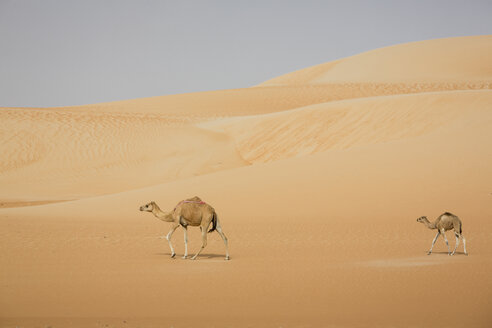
column 83, row 154
column 318, row 183
column 92, row 151
column 350, row 123
column 437, row 61
column 98, row 149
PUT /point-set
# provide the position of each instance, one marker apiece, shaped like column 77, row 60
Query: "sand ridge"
column 349, row 123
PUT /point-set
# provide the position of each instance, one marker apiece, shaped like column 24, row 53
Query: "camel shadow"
column 446, row 253
column 211, row 255
column 203, row 255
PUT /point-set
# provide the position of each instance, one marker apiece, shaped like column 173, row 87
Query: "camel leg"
column 168, row 237
column 464, row 244
column 204, row 242
column 186, row 242
column 446, row 240
column 456, row 243
column 433, row 242
column 224, row 238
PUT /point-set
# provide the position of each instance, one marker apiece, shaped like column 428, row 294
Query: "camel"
column 443, row 223
column 189, row 212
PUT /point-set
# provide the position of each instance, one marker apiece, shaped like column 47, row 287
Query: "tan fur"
column 446, row 221
column 190, row 212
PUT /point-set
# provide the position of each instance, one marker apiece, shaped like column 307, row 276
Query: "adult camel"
column 189, row 212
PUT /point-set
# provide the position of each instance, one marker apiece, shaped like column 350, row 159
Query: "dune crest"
column 439, row 60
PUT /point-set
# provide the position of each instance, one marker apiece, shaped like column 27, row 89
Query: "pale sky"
column 65, row 52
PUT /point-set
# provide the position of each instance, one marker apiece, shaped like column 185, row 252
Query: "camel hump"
column 194, row 199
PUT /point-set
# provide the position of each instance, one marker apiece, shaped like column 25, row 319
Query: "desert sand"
column 318, row 177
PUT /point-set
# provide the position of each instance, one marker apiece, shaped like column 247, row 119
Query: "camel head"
column 422, row 219
column 148, row 207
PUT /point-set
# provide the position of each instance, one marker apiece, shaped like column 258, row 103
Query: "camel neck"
column 430, row 225
column 161, row 215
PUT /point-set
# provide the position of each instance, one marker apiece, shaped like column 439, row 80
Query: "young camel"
column 190, row 212
column 443, row 223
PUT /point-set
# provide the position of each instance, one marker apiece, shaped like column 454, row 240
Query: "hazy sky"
column 65, row 52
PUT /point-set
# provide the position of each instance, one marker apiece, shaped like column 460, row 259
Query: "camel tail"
column 460, row 228
column 214, row 222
